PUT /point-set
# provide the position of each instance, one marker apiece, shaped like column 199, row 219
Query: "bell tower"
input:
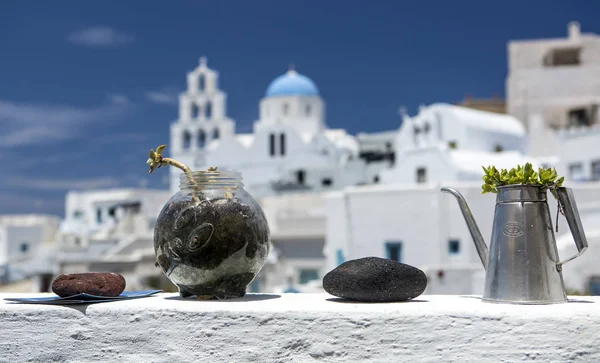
column 202, row 120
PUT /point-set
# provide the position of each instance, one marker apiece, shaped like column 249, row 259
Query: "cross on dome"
column 292, row 69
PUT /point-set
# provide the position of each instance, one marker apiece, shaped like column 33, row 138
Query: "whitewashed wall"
column 532, row 88
column 580, row 146
column 361, row 220
column 431, row 158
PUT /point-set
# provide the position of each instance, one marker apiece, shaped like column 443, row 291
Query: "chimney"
column 574, row 30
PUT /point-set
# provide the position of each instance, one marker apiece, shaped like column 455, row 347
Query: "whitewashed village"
column 330, row 196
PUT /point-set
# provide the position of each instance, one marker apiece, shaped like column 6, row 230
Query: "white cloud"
column 30, row 162
column 26, row 124
column 61, row 184
column 118, row 99
column 126, row 137
column 99, row 37
column 164, row 98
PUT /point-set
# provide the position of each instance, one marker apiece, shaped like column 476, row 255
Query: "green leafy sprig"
column 546, row 178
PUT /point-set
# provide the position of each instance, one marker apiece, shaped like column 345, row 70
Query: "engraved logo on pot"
column 513, row 229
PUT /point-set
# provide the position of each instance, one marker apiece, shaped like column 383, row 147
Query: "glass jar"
column 211, row 238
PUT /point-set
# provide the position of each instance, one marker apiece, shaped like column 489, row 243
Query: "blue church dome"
column 292, row 84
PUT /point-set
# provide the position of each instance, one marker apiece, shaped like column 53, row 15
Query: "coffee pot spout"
column 480, row 245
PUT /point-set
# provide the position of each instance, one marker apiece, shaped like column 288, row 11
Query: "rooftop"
column 476, row 119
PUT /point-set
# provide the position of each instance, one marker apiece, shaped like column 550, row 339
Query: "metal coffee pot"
column 522, row 265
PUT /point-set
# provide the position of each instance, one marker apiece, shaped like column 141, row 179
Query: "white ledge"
column 299, row 328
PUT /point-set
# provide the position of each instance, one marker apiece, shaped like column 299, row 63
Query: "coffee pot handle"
column 567, row 202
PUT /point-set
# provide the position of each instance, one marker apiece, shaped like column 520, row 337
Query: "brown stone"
column 94, row 283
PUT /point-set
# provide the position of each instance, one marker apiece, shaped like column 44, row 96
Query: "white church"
column 290, row 149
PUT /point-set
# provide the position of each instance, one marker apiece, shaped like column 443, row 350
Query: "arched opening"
column 282, row 144
column 215, row 134
column 208, row 110
column 307, row 110
column 187, row 139
column 201, row 139
column 195, row 111
column 272, row 144
column 201, row 82
column 286, row 108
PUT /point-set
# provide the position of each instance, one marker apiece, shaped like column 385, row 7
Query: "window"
column 282, row 144
column 286, row 108
column 594, row 285
column 579, row 117
column 215, row 134
column 498, row 148
column 300, row 174
column 201, row 82
column 596, row 170
column 307, row 275
column 99, row 215
column 77, row 214
column 454, row 247
column 208, row 111
column 77, row 241
column 563, row 57
column 576, row 171
column 452, row 144
column 421, row 175
column 201, row 138
column 195, row 111
column 376, row 179
column 327, row 182
column 272, row 144
column 24, row 247
column 340, row 256
column 112, row 211
column 394, row 251
column 187, row 139
column 426, row 128
column 307, row 110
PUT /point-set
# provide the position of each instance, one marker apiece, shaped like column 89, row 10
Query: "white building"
column 553, row 85
column 291, row 148
column 411, row 221
column 420, row 226
column 111, row 230
column 24, row 240
column 297, row 224
column 97, row 213
column 447, row 142
column 558, row 79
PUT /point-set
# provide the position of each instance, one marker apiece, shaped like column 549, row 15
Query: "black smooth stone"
column 374, row 279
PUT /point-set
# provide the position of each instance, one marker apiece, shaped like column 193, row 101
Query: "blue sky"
column 86, row 88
